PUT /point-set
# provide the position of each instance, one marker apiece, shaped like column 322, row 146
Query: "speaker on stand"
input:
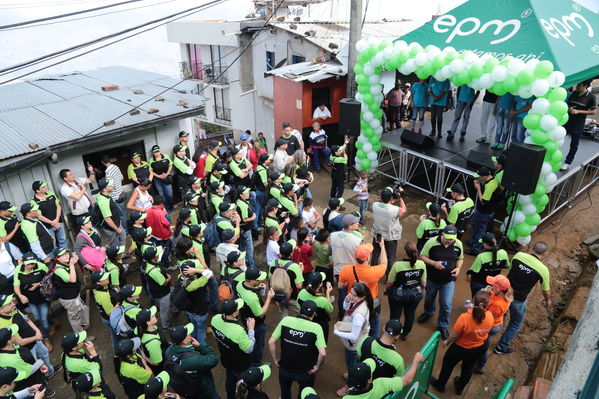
column 349, row 126
column 416, row 139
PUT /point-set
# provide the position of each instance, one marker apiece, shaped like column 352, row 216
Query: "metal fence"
column 222, row 114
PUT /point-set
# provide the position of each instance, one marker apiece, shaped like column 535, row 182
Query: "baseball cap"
column 183, row 133
column 6, row 299
column 115, row 250
column 433, row 207
column 255, row 375
column 81, row 220
column 86, row 381
column 335, row 202
column 315, row 278
column 499, row 281
column 197, row 229
column 29, row 257
column 350, row 219
column 234, row 151
column 253, row 273
column 487, row 238
column 7, row 206
column 231, row 306
column 482, row 171
column 234, row 256
column 178, row 148
column 184, row 213
column 309, row 393
column 99, row 275
column 500, row 159
column 219, row 167
column 363, row 251
column 359, row 375
column 450, row 232
column 127, row 346
column 214, row 144
column 71, row 340
column 393, row 327
column 264, row 156
column 179, row 333
column 145, row 315
column 103, row 183
column 7, row 375
column 244, row 136
column 273, row 203
column 308, row 308
column 334, row 149
column 287, row 248
column 225, row 206
column 227, row 234
column 138, row 234
column 155, row 148
column 137, row 215
column 287, row 187
column 243, row 190
column 275, row 176
column 7, row 333
column 195, row 180
column 192, row 197
column 29, row 207
column 38, row 184
column 156, row 385
column 135, row 155
column 215, row 185
column 151, row 252
column 61, row 251
column 130, row 290
column 456, row 188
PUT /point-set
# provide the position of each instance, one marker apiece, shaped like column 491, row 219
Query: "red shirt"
column 156, row 219
column 303, row 253
column 200, row 166
column 254, row 157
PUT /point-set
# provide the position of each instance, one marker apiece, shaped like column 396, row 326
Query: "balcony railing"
column 209, row 73
column 222, row 114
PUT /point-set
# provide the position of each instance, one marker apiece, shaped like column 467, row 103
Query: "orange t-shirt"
column 369, row 275
column 498, row 305
column 472, row 334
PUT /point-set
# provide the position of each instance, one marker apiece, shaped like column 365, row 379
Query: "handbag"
column 92, row 254
column 121, row 198
column 168, row 179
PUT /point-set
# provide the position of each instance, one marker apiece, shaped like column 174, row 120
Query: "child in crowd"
column 302, row 253
column 296, row 224
column 361, row 188
column 323, row 254
column 339, row 160
column 311, row 216
column 272, row 244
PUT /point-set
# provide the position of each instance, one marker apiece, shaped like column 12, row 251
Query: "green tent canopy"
column 563, row 32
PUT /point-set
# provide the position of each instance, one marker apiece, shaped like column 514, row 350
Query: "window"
column 296, row 59
column 222, row 108
column 270, row 60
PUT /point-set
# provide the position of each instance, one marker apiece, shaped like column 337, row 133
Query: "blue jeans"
column 351, row 358
column 363, row 207
column 212, row 294
column 113, row 337
column 482, row 361
column 258, row 209
column 480, row 224
column 445, row 300
column 39, row 351
column 475, row 286
column 124, row 222
column 375, row 325
column 418, row 113
column 316, row 151
column 502, row 123
column 60, row 236
column 260, row 335
column 462, row 108
column 231, row 382
column 165, row 191
column 286, row 379
column 517, row 314
column 40, row 312
column 199, row 322
column 246, row 243
column 337, row 188
column 518, row 130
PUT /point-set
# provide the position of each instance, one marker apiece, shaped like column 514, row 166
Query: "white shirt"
column 343, row 249
column 245, row 150
column 222, row 251
column 314, row 134
column 309, row 217
column 386, row 221
column 7, row 268
column 78, row 207
column 280, row 160
column 113, row 172
column 272, row 251
column 298, row 136
column 321, row 113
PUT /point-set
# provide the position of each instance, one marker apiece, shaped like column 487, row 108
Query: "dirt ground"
column 564, row 235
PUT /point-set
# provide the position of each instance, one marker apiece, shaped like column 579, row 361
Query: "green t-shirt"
column 103, row 203
column 320, row 301
column 181, row 164
column 210, row 161
column 63, row 273
column 81, row 363
column 388, row 362
column 216, row 199
column 525, row 272
column 114, row 271
column 152, row 346
column 14, row 359
column 251, row 299
column 269, row 221
column 133, row 370
column 484, row 266
column 288, row 204
column 262, row 143
column 131, row 169
column 323, row 253
column 102, row 298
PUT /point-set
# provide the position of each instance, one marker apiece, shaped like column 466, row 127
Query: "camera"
column 398, row 189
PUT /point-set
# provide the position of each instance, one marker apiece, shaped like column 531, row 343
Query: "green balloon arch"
column 510, row 75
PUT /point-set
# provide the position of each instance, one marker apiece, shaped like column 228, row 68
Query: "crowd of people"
column 231, row 196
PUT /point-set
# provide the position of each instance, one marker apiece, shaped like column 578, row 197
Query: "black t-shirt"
column 436, row 251
column 489, row 205
column 298, row 336
column 292, row 144
column 232, row 357
column 490, row 97
column 160, row 166
column 48, row 207
column 584, row 102
column 25, row 330
column 18, row 239
column 27, row 280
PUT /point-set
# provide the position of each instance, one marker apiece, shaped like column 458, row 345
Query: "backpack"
column 280, row 281
column 211, row 236
column 179, row 296
column 184, row 383
column 226, row 287
column 97, row 218
column 118, row 322
column 48, row 288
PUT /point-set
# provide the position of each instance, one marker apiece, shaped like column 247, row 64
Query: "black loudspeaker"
column 523, row 167
column 416, row 139
column 349, row 117
column 476, row 160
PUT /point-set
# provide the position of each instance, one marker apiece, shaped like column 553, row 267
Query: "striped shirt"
column 113, row 172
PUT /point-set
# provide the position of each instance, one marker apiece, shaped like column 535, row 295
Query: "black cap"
column 359, row 375
column 156, row 385
column 263, row 157
column 138, row 234
column 483, row 171
column 150, row 253
column 145, row 315
column 335, row 202
column 215, row 185
column 281, row 141
column 99, row 275
column 81, row 220
column 286, row 248
column 253, row 273
column 214, row 144
column 273, row 203
column 450, row 232
column 155, row 148
column 178, row 148
column 136, row 215
column 7, row 333
column 308, row 308
column 194, row 230
column 86, row 381
column 225, row 206
column 61, row 251
column 38, row 184
column 179, row 333
column 433, row 208
column 314, row 279
column 243, row 189
column 184, row 213
column 287, row 187
column 393, row 327
column 457, row 188
column 500, row 159
column 334, row 149
column 488, row 238
column 191, row 196
column 103, row 183
column 219, row 167
column 227, row 234
column 126, row 347
column 234, row 256
column 29, row 257
column 7, row 206
column 113, row 250
column 274, row 175
column 71, row 340
column 234, row 151
column 129, row 290
column 183, row 133
column 231, row 306
column 28, row 207
column 255, row 375
column 7, row 375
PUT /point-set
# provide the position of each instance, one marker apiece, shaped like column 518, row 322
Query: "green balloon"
column 525, row 77
column 416, row 49
column 490, row 64
column 376, row 147
column 374, row 139
column 450, row 56
column 557, row 157
column 506, row 60
column 363, row 89
column 557, row 94
column 360, row 154
column 543, row 69
column 373, row 107
column 363, row 125
column 558, row 108
column 540, row 190
column 438, row 61
column 540, row 209
column 533, row 220
column 532, row 121
column 512, row 236
column 539, row 136
column 403, row 56
column 368, row 98
column 551, row 146
column 563, row 119
column 476, row 71
column 365, row 163
column 363, row 58
column 421, row 74
column 378, row 114
column 543, row 200
column 523, row 230
column 390, row 65
column 362, row 79
column 555, row 166
column 358, row 69
column 464, row 76
column 510, row 83
column 359, row 145
column 368, row 131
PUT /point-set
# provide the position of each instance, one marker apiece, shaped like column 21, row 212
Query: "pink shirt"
column 395, row 97
column 254, row 157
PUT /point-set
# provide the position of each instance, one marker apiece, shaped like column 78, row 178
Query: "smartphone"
column 379, row 237
column 329, row 285
column 43, row 385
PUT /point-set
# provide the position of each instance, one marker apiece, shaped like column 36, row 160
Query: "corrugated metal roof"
column 309, row 71
column 53, row 110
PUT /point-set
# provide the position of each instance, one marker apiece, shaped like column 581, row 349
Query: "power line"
column 38, row 5
column 91, row 16
column 98, row 40
column 67, row 14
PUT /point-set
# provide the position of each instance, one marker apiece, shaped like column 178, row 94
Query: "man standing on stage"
column 437, row 92
column 466, row 98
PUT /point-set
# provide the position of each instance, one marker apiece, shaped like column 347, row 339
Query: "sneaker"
column 481, row 139
column 500, row 146
column 458, row 389
column 505, row 351
column 432, row 134
column 462, row 138
column 494, row 146
column 449, row 137
column 435, row 384
column 423, row 318
column 565, row 166
column 479, row 371
column 57, row 369
column 49, row 393
column 439, row 136
column 444, row 333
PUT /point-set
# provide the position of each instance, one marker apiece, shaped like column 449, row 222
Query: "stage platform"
column 434, row 169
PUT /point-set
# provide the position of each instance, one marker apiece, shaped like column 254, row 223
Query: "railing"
column 222, row 114
column 209, row 73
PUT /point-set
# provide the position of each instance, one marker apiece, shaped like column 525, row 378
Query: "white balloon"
column 557, row 134
column 367, row 116
column 362, row 139
column 524, row 240
column 486, row 81
column 378, row 129
column 449, row 49
column 433, row 51
column 533, row 228
column 411, row 65
column 519, row 217
column 404, row 70
column 525, row 91
column 502, row 228
column 515, row 66
column 539, row 87
column 550, row 180
column 439, row 76
column 499, row 73
column 359, row 97
column 400, row 44
column 525, row 199
column 371, row 155
column 388, row 52
column 367, row 147
column 528, row 140
column 368, row 69
column 374, row 123
column 374, row 164
column 364, row 108
column 560, row 142
column 446, row 71
column 379, row 98
column 470, row 58
column 420, row 58
column 358, row 166
column 361, row 45
column 528, row 209
column 546, row 168
column 548, row 122
column 375, row 89
column 374, row 79
column 456, row 65
column 532, row 64
column 556, row 79
column 540, row 106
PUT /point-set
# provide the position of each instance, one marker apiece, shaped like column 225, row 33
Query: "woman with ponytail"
column 490, row 262
column 315, row 291
column 248, row 387
column 430, row 226
column 405, row 287
column 467, row 342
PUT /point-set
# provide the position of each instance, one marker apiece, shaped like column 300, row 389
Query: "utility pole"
column 355, row 33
